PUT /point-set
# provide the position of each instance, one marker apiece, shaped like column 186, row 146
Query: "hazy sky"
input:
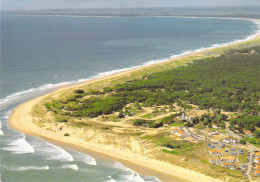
column 61, row 4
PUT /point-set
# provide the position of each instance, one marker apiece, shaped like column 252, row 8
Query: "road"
column 251, row 151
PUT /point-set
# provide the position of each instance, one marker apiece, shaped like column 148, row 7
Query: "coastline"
column 22, row 121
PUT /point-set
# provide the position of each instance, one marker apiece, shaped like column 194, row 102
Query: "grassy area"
column 148, row 116
column 170, row 152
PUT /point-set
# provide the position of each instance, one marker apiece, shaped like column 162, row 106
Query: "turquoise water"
column 39, row 53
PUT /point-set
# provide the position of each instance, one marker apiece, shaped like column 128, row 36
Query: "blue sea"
column 39, row 53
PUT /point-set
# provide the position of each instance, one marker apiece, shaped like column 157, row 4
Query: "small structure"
column 257, row 172
column 226, row 150
column 184, row 117
column 215, row 126
column 248, row 133
column 257, row 155
column 181, row 133
column 213, row 160
column 228, row 165
column 257, row 160
column 174, row 130
column 228, row 159
column 215, row 152
column 230, row 140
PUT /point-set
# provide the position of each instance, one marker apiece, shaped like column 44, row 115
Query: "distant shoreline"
column 22, row 120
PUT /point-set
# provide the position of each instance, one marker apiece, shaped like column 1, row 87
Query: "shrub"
column 79, row 91
column 66, row 134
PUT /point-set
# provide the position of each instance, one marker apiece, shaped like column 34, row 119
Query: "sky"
column 72, row 4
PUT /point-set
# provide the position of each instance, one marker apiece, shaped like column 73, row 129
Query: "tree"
column 257, row 133
column 243, row 141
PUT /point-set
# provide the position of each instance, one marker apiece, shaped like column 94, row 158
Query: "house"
column 257, row 172
column 248, row 133
column 215, row 126
column 212, row 115
column 213, row 160
column 257, row 155
column 181, row 133
column 184, row 117
column 257, row 160
column 230, row 140
column 215, row 152
column 174, row 130
column 228, row 165
column 228, row 159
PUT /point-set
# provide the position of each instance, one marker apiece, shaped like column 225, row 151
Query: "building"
column 213, row 160
column 258, row 167
column 230, row 140
column 228, row 159
column 181, row 133
column 184, row 117
column 215, row 152
column 174, row 130
column 257, row 155
column 215, row 126
column 228, row 165
column 257, row 160
column 257, row 172
column 248, row 133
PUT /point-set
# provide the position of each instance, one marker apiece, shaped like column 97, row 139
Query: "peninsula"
column 192, row 118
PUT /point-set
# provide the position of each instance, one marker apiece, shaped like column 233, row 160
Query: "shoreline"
column 185, row 53
column 22, row 121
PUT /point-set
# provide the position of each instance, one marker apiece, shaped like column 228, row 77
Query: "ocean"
column 39, row 53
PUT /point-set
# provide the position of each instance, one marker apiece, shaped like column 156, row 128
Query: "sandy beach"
column 22, row 120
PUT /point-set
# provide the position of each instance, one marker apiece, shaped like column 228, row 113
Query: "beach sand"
column 21, row 119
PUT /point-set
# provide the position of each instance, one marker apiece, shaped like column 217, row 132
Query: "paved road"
column 250, row 161
column 231, row 133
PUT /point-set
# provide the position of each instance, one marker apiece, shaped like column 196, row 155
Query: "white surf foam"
column 51, row 152
column 15, row 96
column 19, row 146
column 70, row 166
column 130, row 176
column 25, row 168
column 111, row 180
column 7, row 115
column 84, row 158
column 1, row 132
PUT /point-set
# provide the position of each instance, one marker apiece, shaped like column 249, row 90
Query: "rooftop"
column 228, row 157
